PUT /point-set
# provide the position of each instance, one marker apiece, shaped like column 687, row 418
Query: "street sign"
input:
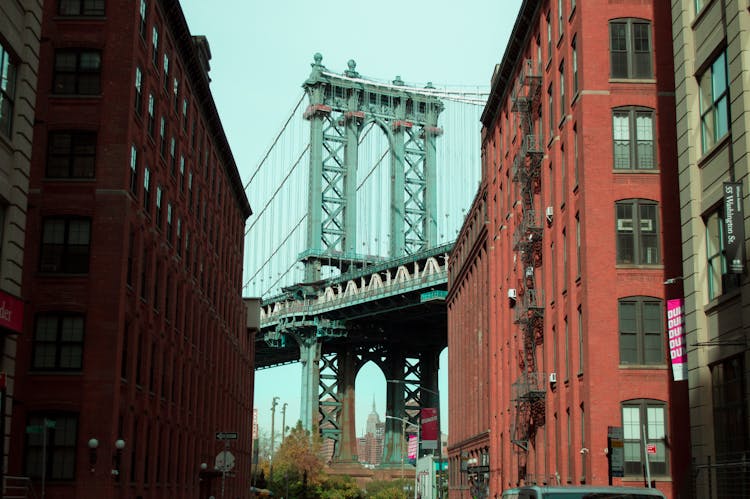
column 616, row 451
column 224, row 461
column 478, row 469
column 226, row 435
column 34, row 429
column 651, row 448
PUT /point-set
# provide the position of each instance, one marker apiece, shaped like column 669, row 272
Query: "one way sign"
column 226, row 435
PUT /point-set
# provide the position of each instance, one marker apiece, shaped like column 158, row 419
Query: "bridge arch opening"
column 374, row 157
column 370, row 390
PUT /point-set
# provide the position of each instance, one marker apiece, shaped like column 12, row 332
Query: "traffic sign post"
column 225, row 436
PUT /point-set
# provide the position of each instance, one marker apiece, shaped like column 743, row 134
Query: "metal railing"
column 18, row 487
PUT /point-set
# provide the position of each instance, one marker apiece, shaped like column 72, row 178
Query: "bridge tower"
column 340, row 107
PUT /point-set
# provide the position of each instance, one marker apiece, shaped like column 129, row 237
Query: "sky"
column 261, row 54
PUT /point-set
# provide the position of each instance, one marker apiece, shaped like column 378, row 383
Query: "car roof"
column 587, row 488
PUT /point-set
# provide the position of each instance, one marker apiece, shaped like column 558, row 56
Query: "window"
column 567, row 349
column 635, row 415
column 551, row 112
column 720, row 280
column 560, row 16
column 182, row 173
column 158, row 206
column 184, row 114
column 630, row 48
column 729, row 407
column 563, row 104
column 176, row 94
column 147, row 190
column 60, row 451
column 142, row 25
column 169, row 222
column 134, row 170
column 151, row 115
column 575, row 155
column 699, row 4
column 637, row 232
column 58, row 342
column 65, row 245
column 162, row 137
column 138, row 91
column 641, row 327
column 578, row 245
column 633, row 139
column 172, row 160
column 81, row 8
column 549, row 36
column 574, row 54
column 155, row 46
column 7, row 90
column 71, row 154
column 190, row 191
column 580, row 340
column 714, row 100
column 179, row 236
column 77, row 72
column 166, row 71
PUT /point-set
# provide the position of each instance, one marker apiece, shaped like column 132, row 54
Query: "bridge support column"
column 393, row 446
column 347, row 452
column 309, row 356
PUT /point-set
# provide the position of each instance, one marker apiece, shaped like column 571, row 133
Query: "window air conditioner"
column 553, row 377
column 549, row 212
column 512, row 293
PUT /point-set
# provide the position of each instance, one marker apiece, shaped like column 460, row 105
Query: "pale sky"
column 261, row 55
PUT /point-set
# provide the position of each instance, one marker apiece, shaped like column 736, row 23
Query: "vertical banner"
column 734, row 227
column 429, row 428
column 411, row 450
column 676, row 330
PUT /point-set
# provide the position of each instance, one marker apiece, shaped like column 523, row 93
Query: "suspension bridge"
column 358, row 202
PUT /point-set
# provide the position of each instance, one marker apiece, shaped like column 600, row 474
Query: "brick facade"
column 135, row 325
column 579, row 168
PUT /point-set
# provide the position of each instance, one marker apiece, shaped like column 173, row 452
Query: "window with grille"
column 641, row 331
column 58, row 342
column 714, row 102
column 730, row 408
column 71, row 154
column 77, row 72
column 630, row 48
column 633, row 139
column 637, row 232
column 142, row 24
column 644, row 418
column 58, row 456
column 65, row 245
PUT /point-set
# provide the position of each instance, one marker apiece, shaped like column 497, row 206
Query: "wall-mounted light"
column 93, row 445
column 116, row 458
column 673, row 280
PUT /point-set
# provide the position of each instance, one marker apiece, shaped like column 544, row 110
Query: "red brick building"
column 470, row 380
column 135, row 350
column 582, row 230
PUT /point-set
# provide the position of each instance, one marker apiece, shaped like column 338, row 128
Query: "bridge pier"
column 309, row 356
column 347, row 450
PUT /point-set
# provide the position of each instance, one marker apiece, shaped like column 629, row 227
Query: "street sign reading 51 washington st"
column 226, row 435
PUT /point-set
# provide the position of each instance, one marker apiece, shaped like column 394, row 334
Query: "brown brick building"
column 582, row 229
column 134, row 351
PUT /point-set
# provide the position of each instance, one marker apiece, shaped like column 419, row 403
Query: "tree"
column 297, row 466
column 339, row 487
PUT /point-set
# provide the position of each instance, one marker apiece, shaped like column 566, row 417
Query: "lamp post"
column 274, row 403
column 283, row 421
column 404, row 422
column 439, row 435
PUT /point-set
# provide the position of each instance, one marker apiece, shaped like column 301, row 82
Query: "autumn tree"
column 297, row 466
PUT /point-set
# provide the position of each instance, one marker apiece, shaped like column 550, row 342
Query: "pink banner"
column 429, row 428
column 677, row 347
column 412, row 449
column 11, row 313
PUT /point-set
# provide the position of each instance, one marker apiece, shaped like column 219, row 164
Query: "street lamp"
column 404, row 422
column 274, row 403
column 439, row 435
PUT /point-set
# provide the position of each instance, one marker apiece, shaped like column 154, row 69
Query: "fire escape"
column 528, row 391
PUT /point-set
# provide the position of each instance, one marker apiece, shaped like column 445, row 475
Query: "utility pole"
column 273, row 415
column 283, row 422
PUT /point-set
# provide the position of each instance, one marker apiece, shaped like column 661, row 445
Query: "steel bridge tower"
column 340, row 107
